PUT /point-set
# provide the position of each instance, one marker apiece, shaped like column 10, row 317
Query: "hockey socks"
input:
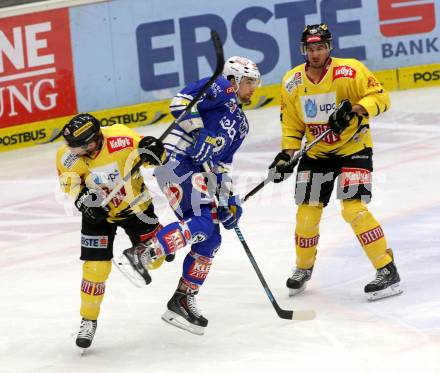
column 368, row 231
column 307, row 234
column 95, row 274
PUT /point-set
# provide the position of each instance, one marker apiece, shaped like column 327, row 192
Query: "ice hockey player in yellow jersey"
column 340, row 94
column 90, row 163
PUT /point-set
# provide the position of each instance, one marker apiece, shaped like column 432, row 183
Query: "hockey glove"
column 230, row 214
column 340, row 118
column 280, row 169
column 201, row 150
column 88, row 203
column 151, row 150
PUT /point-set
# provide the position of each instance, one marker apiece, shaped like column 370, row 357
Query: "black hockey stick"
column 220, row 61
column 284, row 314
column 293, row 161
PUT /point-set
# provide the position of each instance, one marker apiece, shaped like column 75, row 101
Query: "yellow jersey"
column 103, row 170
column 306, row 107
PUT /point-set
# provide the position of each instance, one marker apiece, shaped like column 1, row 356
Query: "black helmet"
column 316, row 34
column 81, row 130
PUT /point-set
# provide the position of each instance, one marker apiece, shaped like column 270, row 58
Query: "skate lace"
column 299, row 274
column 192, row 305
column 146, row 254
column 381, row 275
column 86, row 330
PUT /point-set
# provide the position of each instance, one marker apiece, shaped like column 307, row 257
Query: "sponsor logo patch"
column 317, row 108
column 306, row 243
column 371, row 236
column 115, row 144
column 69, row 159
column 92, row 288
column 354, row 176
column 318, row 129
column 174, row 240
column 200, row 268
column 199, row 183
column 94, row 242
column 343, row 72
column 174, row 194
column 303, row 177
column 294, row 81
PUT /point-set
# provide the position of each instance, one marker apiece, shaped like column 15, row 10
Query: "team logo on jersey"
column 372, row 82
column 198, row 237
column 317, row 108
column 344, row 72
column 220, row 142
column 174, row 194
column 232, row 105
column 310, row 108
column 294, row 81
column 118, row 143
column 230, row 90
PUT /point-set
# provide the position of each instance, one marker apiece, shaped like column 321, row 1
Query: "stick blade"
column 304, row 315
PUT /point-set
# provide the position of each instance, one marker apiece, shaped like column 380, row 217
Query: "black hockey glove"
column 88, row 202
column 341, row 117
column 280, row 169
column 151, row 150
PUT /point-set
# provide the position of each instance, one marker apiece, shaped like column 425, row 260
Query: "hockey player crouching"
column 90, row 163
column 307, row 91
column 211, row 134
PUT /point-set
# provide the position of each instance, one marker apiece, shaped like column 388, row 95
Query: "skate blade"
column 293, row 292
column 390, row 291
column 124, row 266
column 176, row 320
column 304, row 315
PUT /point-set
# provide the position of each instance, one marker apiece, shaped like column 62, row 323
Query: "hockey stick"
column 284, row 314
column 295, row 159
column 220, row 61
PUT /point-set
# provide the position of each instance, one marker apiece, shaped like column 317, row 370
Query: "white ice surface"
column 40, row 272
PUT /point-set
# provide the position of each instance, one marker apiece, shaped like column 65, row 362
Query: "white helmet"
column 239, row 67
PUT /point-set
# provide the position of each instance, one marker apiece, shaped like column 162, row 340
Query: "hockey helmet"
column 81, row 130
column 240, row 67
column 316, row 34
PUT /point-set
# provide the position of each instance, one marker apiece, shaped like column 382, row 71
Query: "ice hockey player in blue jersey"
column 209, row 135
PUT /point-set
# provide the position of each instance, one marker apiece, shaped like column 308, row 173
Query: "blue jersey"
column 218, row 111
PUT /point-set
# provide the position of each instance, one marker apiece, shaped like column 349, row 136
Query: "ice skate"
column 86, row 333
column 386, row 283
column 297, row 282
column 183, row 313
column 135, row 262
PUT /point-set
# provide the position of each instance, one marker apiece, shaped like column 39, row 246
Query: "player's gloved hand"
column 229, row 211
column 340, row 118
column 88, row 203
column 151, row 150
column 201, row 150
column 280, row 169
